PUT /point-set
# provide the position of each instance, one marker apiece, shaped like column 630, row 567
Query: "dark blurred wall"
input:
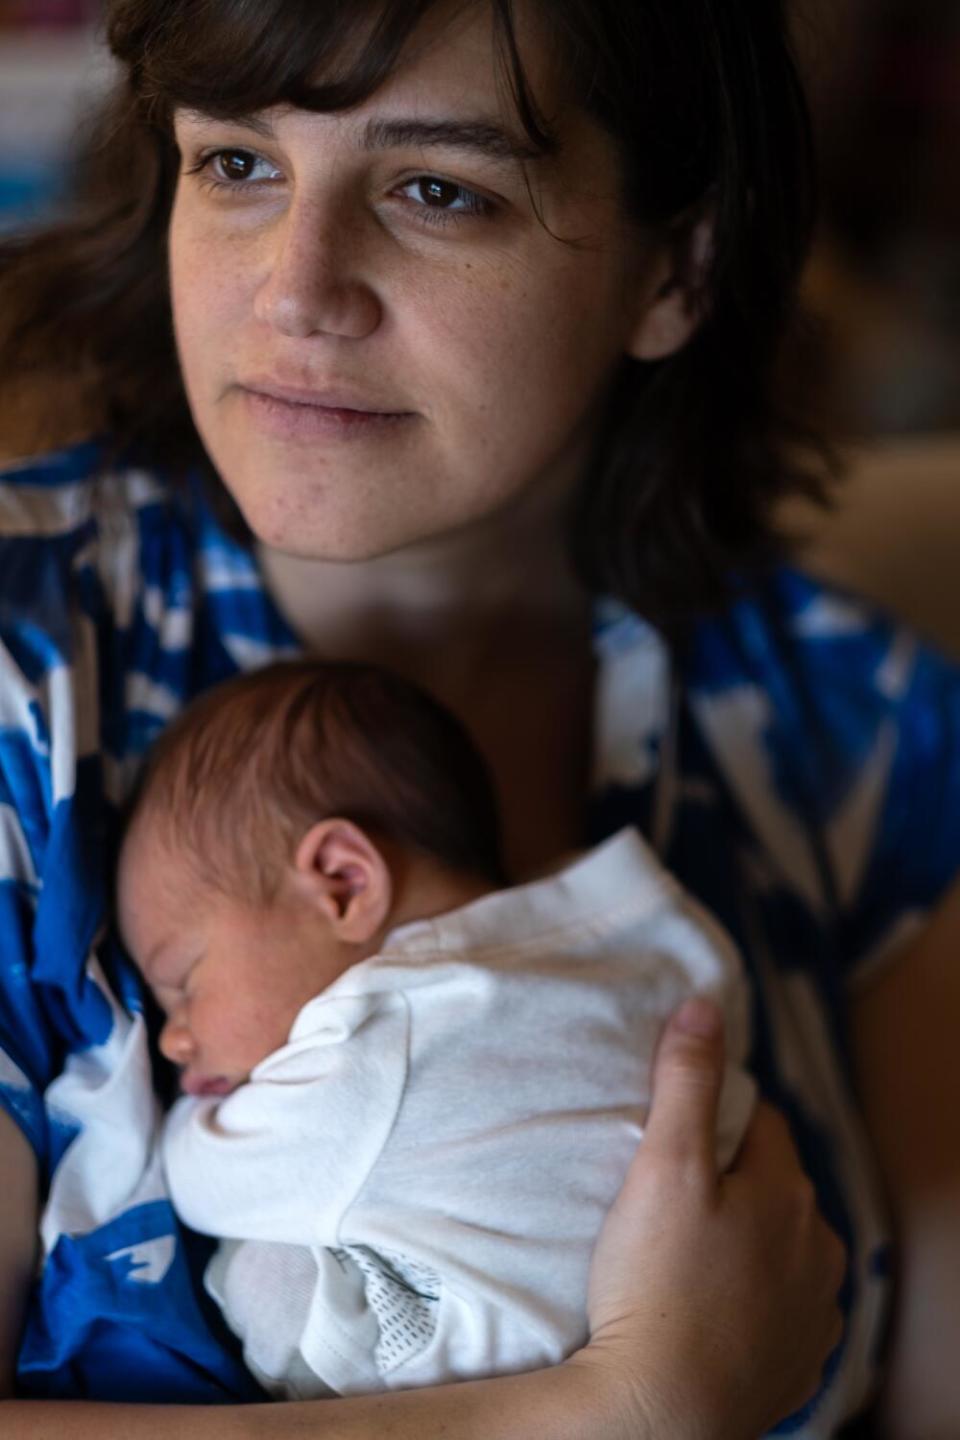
column 884, row 79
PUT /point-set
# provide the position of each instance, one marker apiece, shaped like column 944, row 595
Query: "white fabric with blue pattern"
column 797, row 766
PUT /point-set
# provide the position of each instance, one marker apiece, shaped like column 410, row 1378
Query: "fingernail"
column 698, row 1016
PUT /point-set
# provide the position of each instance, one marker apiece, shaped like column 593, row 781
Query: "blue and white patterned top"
column 798, row 767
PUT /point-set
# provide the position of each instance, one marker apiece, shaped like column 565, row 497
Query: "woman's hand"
column 713, row 1297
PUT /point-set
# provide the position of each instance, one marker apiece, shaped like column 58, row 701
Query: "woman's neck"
column 496, row 626
column 437, row 609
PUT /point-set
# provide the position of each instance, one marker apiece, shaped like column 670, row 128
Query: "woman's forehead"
column 448, row 65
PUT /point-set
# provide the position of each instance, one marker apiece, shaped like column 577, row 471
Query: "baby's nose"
column 176, row 1043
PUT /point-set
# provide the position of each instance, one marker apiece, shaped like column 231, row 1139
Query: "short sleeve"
column 915, row 852
column 836, row 732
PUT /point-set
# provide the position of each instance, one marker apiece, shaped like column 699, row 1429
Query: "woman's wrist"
column 646, row 1400
column 609, row 1394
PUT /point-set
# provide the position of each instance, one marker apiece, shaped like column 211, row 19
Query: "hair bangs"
column 238, row 57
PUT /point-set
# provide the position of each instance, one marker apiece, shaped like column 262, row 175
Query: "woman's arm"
column 560, row 1404
column 907, row 1050
column 18, row 1240
column 712, row 1306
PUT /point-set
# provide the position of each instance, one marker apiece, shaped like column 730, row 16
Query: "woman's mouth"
column 291, row 414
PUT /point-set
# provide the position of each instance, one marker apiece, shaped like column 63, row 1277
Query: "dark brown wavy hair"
column 703, row 101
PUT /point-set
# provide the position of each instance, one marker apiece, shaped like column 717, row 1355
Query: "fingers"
column 767, row 1145
column 687, row 1077
column 767, row 1154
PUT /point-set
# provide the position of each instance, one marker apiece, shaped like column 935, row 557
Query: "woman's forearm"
column 573, row 1401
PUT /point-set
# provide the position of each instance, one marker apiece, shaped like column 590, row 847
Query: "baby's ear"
column 677, row 297
column 342, row 873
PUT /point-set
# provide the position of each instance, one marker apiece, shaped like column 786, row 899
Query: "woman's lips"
column 312, row 415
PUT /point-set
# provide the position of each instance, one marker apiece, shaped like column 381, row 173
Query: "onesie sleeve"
column 283, row 1157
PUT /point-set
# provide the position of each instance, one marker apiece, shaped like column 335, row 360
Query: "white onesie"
column 410, row 1189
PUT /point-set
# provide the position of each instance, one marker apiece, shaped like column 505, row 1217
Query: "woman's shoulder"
column 828, row 717
column 74, row 528
column 817, row 653
column 84, row 485
column 826, row 680
column 54, row 473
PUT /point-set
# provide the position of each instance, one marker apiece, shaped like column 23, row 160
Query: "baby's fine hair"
column 241, row 775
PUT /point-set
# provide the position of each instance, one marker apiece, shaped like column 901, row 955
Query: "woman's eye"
column 444, row 200
column 233, row 169
column 437, row 201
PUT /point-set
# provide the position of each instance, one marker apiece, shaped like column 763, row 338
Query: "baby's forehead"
column 152, row 861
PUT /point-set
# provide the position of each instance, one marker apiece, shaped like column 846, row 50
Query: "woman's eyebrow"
column 485, row 137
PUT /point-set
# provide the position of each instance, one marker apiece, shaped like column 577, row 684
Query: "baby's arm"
column 282, row 1158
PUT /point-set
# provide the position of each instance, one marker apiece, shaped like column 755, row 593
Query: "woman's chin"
column 338, row 536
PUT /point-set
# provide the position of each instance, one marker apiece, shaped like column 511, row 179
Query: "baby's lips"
column 201, row 1085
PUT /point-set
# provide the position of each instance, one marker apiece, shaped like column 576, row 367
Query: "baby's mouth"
column 201, row 1085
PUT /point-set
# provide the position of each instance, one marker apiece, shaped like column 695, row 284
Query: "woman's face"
column 382, row 341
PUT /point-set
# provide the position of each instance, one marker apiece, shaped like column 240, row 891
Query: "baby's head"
column 284, row 823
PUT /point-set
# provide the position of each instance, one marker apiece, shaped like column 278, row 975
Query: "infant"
column 410, row 1094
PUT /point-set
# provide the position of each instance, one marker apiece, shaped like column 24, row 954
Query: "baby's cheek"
column 256, row 1031
column 224, row 1033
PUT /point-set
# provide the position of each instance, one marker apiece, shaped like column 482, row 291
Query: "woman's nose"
column 313, row 285
column 176, row 1042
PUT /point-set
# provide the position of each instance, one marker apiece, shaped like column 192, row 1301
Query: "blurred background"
column 882, row 356
column 50, row 63
column 884, row 80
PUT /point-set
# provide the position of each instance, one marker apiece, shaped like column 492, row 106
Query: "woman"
column 459, row 292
